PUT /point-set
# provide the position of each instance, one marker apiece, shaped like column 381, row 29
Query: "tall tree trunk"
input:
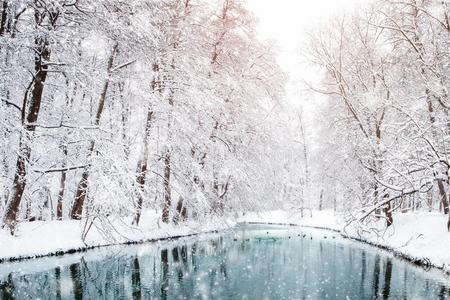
column 387, row 209
column 5, row 195
column 4, row 17
column 142, row 166
column 167, row 156
column 30, row 113
column 167, row 188
column 443, row 195
column 388, row 212
column 181, row 212
column 140, row 180
column 321, row 200
column 62, row 187
column 124, row 118
column 448, row 222
column 63, row 147
column 80, row 196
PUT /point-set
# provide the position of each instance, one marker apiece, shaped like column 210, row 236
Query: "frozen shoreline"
column 51, row 238
column 420, row 238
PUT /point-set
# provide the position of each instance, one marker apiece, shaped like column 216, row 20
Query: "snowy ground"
column 36, row 239
column 421, row 236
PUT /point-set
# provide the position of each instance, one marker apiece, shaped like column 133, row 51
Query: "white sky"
column 285, row 21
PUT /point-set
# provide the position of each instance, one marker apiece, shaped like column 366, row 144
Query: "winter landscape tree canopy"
column 124, row 120
column 110, row 108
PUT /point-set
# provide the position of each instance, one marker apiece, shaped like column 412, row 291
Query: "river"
column 248, row 262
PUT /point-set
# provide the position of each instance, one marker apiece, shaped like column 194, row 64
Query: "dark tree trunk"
column 4, row 17
column 62, row 187
column 387, row 208
column 443, row 195
column 80, row 196
column 63, row 147
column 448, row 222
column 184, row 214
column 167, row 189
column 321, row 200
column 140, row 180
column 12, row 207
column 222, row 198
column 142, row 167
column 388, row 214
column 181, row 212
column 31, row 113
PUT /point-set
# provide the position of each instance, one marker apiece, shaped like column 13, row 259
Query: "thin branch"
column 10, row 103
column 61, row 170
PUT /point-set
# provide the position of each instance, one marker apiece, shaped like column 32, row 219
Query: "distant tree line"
column 385, row 135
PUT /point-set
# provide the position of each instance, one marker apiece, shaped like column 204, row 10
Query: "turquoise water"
column 250, row 262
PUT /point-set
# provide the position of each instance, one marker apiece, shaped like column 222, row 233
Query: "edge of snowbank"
column 421, row 262
column 87, row 248
column 416, row 238
column 55, row 238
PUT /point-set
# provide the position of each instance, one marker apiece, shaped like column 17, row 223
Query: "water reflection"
column 136, row 279
column 253, row 263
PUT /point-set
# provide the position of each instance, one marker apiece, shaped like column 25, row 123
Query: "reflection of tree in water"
column 93, row 278
column 444, row 293
column 58, row 282
column 193, row 256
column 387, row 279
column 184, row 255
column 175, row 256
column 136, row 279
column 75, row 275
column 165, row 273
column 376, row 277
column 7, row 288
column 363, row 272
column 176, row 261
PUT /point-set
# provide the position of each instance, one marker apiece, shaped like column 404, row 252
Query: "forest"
column 384, row 143
column 110, row 108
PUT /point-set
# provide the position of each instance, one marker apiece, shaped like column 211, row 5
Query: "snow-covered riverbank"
column 417, row 236
column 36, row 239
column 421, row 236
